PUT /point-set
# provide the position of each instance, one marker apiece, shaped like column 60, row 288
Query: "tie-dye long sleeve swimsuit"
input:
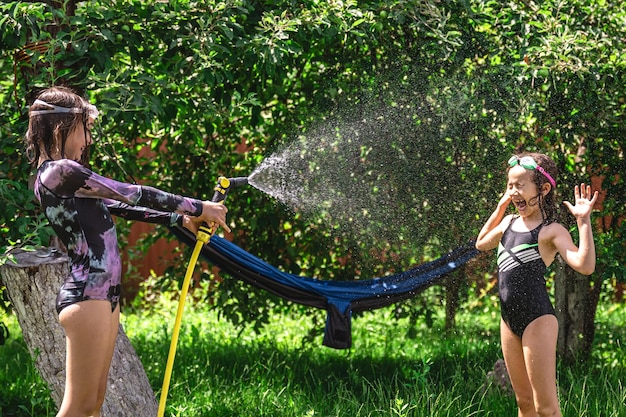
column 78, row 204
column 521, row 279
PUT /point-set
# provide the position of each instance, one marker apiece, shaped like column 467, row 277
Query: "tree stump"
column 32, row 280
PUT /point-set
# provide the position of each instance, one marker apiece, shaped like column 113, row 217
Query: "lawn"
column 222, row 371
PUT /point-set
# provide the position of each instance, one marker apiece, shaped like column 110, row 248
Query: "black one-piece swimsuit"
column 521, row 279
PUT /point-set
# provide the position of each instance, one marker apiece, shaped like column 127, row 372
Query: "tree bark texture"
column 452, row 286
column 575, row 304
column 32, row 282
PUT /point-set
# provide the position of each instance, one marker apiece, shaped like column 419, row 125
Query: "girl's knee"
column 86, row 407
column 93, row 406
column 99, row 400
column 548, row 410
column 525, row 403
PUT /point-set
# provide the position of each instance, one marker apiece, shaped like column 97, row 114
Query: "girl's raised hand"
column 584, row 200
column 506, row 198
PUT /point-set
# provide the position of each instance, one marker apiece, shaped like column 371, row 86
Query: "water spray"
column 203, row 237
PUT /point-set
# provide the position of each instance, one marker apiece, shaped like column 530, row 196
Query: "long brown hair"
column 48, row 133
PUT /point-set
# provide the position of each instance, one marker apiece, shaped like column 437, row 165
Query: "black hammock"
column 338, row 298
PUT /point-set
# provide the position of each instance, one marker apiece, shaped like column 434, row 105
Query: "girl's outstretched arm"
column 582, row 258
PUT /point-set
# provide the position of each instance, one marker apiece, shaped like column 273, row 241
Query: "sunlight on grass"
column 221, row 370
column 386, row 373
column 22, row 391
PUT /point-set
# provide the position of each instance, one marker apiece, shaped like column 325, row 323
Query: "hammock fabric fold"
column 338, row 298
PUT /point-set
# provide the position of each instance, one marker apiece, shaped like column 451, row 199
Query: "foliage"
column 565, row 63
column 184, row 86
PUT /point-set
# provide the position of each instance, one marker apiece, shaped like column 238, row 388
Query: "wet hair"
column 48, row 133
column 547, row 203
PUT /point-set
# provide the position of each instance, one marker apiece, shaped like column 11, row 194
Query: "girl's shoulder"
column 61, row 173
column 507, row 221
column 551, row 230
column 553, row 225
column 61, row 165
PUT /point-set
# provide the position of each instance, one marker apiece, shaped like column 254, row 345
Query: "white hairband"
column 91, row 109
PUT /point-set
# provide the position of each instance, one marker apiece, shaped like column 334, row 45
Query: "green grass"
column 223, row 371
column 22, row 391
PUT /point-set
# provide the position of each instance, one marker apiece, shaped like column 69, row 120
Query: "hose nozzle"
column 224, row 185
column 238, row 181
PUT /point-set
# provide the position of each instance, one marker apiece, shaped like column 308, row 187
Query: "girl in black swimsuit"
column 527, row 243
column 78, row 204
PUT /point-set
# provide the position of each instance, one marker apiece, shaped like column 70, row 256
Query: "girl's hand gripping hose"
column 213, row 210
column 223, row 186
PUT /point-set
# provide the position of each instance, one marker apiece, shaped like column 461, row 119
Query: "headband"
column 92, row 111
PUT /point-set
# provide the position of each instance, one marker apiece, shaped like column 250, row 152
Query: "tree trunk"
column 575, row 303
column 452, row 285
column 32, row 282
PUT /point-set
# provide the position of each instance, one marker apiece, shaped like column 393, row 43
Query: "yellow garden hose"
column 202, row 238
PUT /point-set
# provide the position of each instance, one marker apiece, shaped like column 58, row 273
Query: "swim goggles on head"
column 92, row 111
column 529, row 163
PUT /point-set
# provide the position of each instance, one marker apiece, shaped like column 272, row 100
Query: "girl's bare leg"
column 539, row 344
column 113, row 330
column 90, row 331
column 516, row 366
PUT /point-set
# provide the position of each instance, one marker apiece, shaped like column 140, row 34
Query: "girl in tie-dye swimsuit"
column 79, row 205
column 527, row 244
